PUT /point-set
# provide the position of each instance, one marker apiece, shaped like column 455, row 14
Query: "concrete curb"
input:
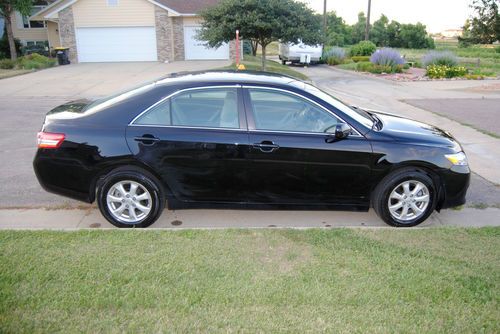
column 76, row 219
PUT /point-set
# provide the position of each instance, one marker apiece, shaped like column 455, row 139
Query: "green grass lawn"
column 342, row 280
column 254, row 64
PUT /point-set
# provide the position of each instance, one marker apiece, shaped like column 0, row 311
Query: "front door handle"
column 266, row 146
column 147, row 139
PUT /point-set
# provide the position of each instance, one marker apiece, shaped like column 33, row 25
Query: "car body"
column 300, row 53
column 250, row 139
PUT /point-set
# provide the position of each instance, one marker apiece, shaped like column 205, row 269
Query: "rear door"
column 294, row 157
column 197, row 140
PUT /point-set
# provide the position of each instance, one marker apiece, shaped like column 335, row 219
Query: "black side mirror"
column 342, row 130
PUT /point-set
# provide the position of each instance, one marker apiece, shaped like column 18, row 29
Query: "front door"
column 295, row 158
column 197, row 140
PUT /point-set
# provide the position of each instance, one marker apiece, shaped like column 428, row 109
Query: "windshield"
column 359, row 116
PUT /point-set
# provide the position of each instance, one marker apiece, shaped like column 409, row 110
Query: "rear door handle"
column 266, row 146
column 147, row 139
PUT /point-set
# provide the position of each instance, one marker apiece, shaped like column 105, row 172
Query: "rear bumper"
column 455, row 185
column 296, row 59
column 62, row 177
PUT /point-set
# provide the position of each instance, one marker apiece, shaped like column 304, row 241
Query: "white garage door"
column 196, row 49
column 116, row 44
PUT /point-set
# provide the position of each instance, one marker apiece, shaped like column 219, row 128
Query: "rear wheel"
column 405, row 198
column 130, row 198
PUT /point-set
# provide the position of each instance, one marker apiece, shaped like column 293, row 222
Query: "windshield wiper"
column 376, row 121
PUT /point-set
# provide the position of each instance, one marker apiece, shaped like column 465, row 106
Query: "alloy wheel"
column 408, row 200
column 129, row 202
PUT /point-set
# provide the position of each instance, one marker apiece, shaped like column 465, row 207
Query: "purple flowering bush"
column 387, row 57
column 444, row 58
column 335, row 56
column 384, row 60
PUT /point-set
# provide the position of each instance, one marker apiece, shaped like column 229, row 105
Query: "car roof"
column 246, row 77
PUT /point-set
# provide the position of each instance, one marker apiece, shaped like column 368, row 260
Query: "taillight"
column 50, row 140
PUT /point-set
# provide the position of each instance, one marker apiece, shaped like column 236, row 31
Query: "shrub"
column 358, row 59
column 387, row 57
column 7, row 64
column 5, row 48
column 363, row 48
column 35, row 61
column 445, row 58
column 367, row 66
column 364, row 66
column 335, row 56
column 444, row 71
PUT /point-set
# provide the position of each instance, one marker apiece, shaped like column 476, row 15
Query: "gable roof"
column 174, row 7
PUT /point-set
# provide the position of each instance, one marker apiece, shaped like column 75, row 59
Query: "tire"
column 140, row 191
column 283, row 62
column 398, row 191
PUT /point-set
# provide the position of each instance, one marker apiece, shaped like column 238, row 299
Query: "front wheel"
column 130, row 198
column 405, row 198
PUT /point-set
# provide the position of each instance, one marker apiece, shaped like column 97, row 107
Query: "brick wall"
column 67, row 32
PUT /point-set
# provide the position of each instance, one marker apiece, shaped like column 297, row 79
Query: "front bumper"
column 455, row 183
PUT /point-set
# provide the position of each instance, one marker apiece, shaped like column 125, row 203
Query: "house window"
column 24, row 21
column 112, row 3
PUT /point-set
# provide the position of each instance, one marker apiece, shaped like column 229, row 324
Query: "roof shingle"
column 187, row 6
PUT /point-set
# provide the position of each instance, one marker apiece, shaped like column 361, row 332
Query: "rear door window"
column 210, row 107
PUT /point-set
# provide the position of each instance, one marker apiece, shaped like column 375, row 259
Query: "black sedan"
column 253, row 140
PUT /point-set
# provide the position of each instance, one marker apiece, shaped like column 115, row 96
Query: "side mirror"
column 342, row 130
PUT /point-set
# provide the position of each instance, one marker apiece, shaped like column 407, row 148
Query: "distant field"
column 478, row 57
column 481, row 59
column 252, row 281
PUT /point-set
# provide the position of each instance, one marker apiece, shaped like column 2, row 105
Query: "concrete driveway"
column 92, row 80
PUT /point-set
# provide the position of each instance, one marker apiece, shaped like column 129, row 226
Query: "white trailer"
column 300, row 53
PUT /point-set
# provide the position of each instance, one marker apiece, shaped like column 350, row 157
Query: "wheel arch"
column 415, row 166
column 124, row 165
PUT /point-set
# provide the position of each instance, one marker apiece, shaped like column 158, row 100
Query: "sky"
column 437, row 15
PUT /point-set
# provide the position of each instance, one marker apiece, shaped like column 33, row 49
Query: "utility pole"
column 324, row 23
column 367, row 29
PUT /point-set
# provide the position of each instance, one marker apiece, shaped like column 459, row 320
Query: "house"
column 34, row 32
column 124, row 30
column 452, row 33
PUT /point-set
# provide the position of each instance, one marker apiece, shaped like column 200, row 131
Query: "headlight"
column 457, row 159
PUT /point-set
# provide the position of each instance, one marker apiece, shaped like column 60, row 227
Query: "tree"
column 337, row 32
column 358, row 29
column 4, row 45
column 393, row 34
column 414, row 36
column 484, row 25
column 379, row 34
column 260, row 21
column 7, row 9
